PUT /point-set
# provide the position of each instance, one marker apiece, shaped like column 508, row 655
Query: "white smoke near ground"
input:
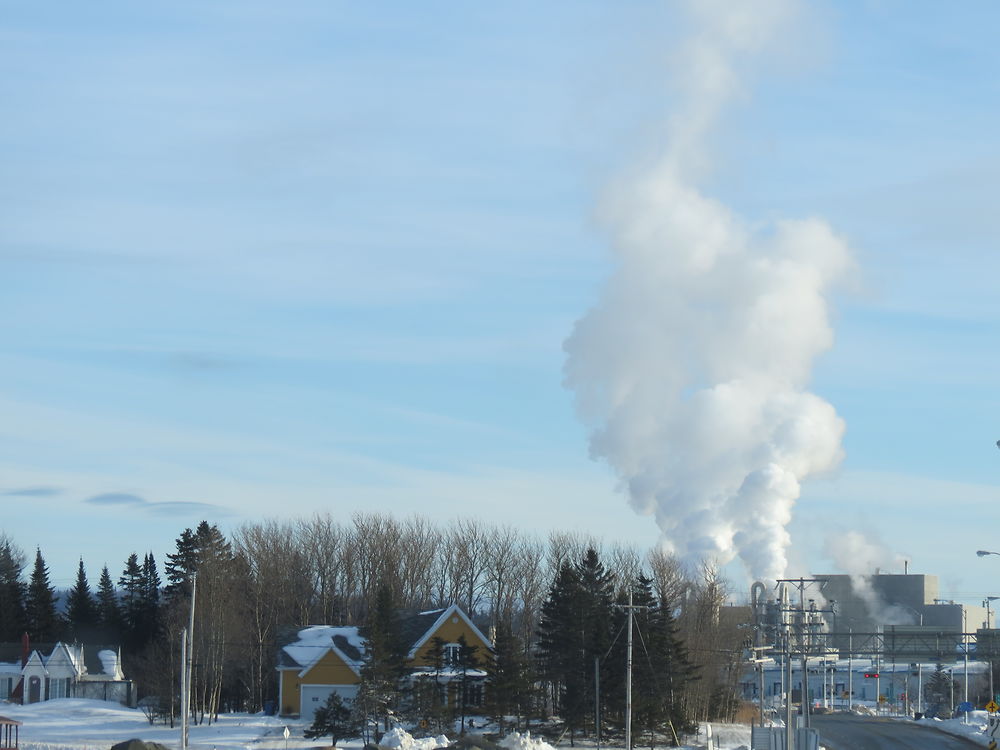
column 692, row 368
column 861, row 557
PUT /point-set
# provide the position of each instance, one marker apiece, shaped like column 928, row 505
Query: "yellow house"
column 327, row 659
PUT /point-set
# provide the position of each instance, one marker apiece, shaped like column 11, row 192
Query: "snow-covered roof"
column 110, row 664
column 93, row 662
column 313, row 643
column 448, row 673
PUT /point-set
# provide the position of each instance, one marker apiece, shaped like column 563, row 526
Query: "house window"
column 5, row 687
column 58, row 688
column 474, row 694
column 452, row 652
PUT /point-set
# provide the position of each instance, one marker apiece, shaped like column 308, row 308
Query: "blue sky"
column 259, row 260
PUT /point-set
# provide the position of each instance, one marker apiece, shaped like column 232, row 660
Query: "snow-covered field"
column 77, row 724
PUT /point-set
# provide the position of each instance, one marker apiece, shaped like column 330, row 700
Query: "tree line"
column 268, row 579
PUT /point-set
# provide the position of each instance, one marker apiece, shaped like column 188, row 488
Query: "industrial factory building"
column 867, row 638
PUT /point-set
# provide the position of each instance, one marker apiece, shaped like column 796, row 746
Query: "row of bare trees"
column 271, row 578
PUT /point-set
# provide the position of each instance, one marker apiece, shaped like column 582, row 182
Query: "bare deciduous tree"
column 500, row 569
column 568, row 547
column 670, row 581
column 531, row 585
column 321, row 540
column 626, row 565
column 469, row 538
column 418, row 544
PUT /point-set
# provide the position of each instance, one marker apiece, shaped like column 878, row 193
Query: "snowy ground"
column 977, row 728
column 77, row 724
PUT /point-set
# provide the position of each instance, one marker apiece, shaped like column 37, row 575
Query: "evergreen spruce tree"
column 206, row 545
column 149, row 605
column 661, row 668
column 130, row 585
column 109, row 617
column 507, row 683
column 180, row 565
column 334, row 719
column 81, row 609
column 13, row 618
column 595, row 620
column 468, row 661
column 939, row 693
column 427, row 698
column 44, row 623
column 205, row 555
column 561, row 647
column 384, row 664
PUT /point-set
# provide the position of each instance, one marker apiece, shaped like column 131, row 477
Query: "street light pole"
column 986, row 603
column 965, row 648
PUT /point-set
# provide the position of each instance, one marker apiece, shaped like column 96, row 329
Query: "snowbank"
column 400, row 739
column 517, row 741
column 83, row 724
column 974, row 731
column 717, row 734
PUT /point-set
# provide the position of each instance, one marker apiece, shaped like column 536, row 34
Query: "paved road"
column 850, row 732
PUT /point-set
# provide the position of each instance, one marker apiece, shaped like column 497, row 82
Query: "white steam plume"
column 693, row 366
column 860, row 557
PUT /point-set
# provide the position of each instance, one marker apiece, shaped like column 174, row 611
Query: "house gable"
column 332, row 668
column 61, row 664
column 450, row 625
column 35, row 665
column 321, row 655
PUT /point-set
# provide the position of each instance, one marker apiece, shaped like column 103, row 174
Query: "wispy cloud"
column 33, row 492
column 116, row 498
column 162, row 509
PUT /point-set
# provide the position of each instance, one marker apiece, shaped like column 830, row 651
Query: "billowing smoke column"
column 692, row 368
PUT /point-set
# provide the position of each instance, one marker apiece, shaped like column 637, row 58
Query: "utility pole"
column 920, row 687
column 597, row 700
column 789, row 729
column 804, row 644
column 785, row 634
column 965, row 648
column 188, row 667
column 628, row 679
column 629, row 608
column 756, row 594
column 878, row 673
column 850, row 668
column 184, row 689
column 760, row 688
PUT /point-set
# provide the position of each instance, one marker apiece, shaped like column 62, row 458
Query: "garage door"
column 314, row 696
